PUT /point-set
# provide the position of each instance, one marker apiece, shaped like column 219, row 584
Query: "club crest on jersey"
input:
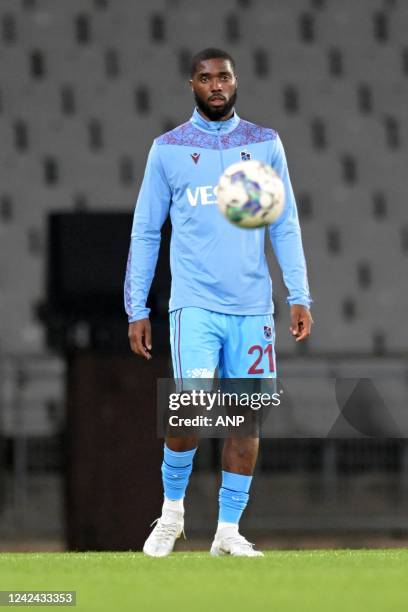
column 267, row 332
column 245, row 156
column 195, row 157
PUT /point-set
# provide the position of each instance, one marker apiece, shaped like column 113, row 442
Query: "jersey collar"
column 222, row 127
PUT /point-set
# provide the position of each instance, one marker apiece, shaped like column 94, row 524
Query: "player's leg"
column 238, row 463
column 247, row 353
column 195, row 346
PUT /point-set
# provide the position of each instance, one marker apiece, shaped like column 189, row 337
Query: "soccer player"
column 221, row 310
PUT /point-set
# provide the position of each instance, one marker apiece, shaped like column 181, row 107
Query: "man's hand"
column 140, row 337
column 301, row 322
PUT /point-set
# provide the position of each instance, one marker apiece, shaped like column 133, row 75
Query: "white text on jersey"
column 203, row 195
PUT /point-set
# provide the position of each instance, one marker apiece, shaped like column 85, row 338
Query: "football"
column 250, row 194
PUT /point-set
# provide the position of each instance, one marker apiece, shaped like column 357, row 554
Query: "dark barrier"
column 114, row 488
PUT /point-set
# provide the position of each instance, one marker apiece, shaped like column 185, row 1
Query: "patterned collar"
column 211, row 127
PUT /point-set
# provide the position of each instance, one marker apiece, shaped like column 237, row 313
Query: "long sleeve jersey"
column 214, row 264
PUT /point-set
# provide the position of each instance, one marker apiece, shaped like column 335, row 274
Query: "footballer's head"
column 214, row 83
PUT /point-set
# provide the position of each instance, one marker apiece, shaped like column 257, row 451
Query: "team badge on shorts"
column 267, row 332
column 245, row 156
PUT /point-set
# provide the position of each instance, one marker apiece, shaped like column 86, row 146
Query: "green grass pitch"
column 299, row 581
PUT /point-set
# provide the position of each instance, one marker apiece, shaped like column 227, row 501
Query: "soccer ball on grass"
column 250, row 194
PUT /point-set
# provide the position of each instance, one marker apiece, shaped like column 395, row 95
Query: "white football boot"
column 168, row 529
column 230, row 542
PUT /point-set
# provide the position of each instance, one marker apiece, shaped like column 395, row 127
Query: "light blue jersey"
column 214, row 264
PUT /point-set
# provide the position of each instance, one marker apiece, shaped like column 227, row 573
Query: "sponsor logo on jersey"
column 203, row 195
column 245, row 155
column 267, row 332
column 195, row 157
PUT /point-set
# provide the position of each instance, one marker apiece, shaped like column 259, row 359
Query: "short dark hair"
column 209, row 53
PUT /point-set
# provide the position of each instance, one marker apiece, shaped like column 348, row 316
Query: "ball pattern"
column 250, row 194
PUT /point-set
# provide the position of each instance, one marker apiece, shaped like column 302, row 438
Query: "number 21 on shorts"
column 258, row 352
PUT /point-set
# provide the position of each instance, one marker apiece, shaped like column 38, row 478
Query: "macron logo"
column 202, row 195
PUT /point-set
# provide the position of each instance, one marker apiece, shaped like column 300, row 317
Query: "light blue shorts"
column 239, row 346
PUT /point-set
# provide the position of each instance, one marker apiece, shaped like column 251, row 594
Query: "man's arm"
column 151, row 211
column 287, row 245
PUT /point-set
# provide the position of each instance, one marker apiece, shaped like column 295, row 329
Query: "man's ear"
column 190, row 83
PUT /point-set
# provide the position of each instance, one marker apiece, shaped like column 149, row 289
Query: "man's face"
column 214, row 86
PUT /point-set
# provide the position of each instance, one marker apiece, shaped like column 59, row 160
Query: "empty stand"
column 87, row 86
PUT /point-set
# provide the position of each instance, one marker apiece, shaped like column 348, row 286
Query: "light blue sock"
column 176, row 470
column 233, row 496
